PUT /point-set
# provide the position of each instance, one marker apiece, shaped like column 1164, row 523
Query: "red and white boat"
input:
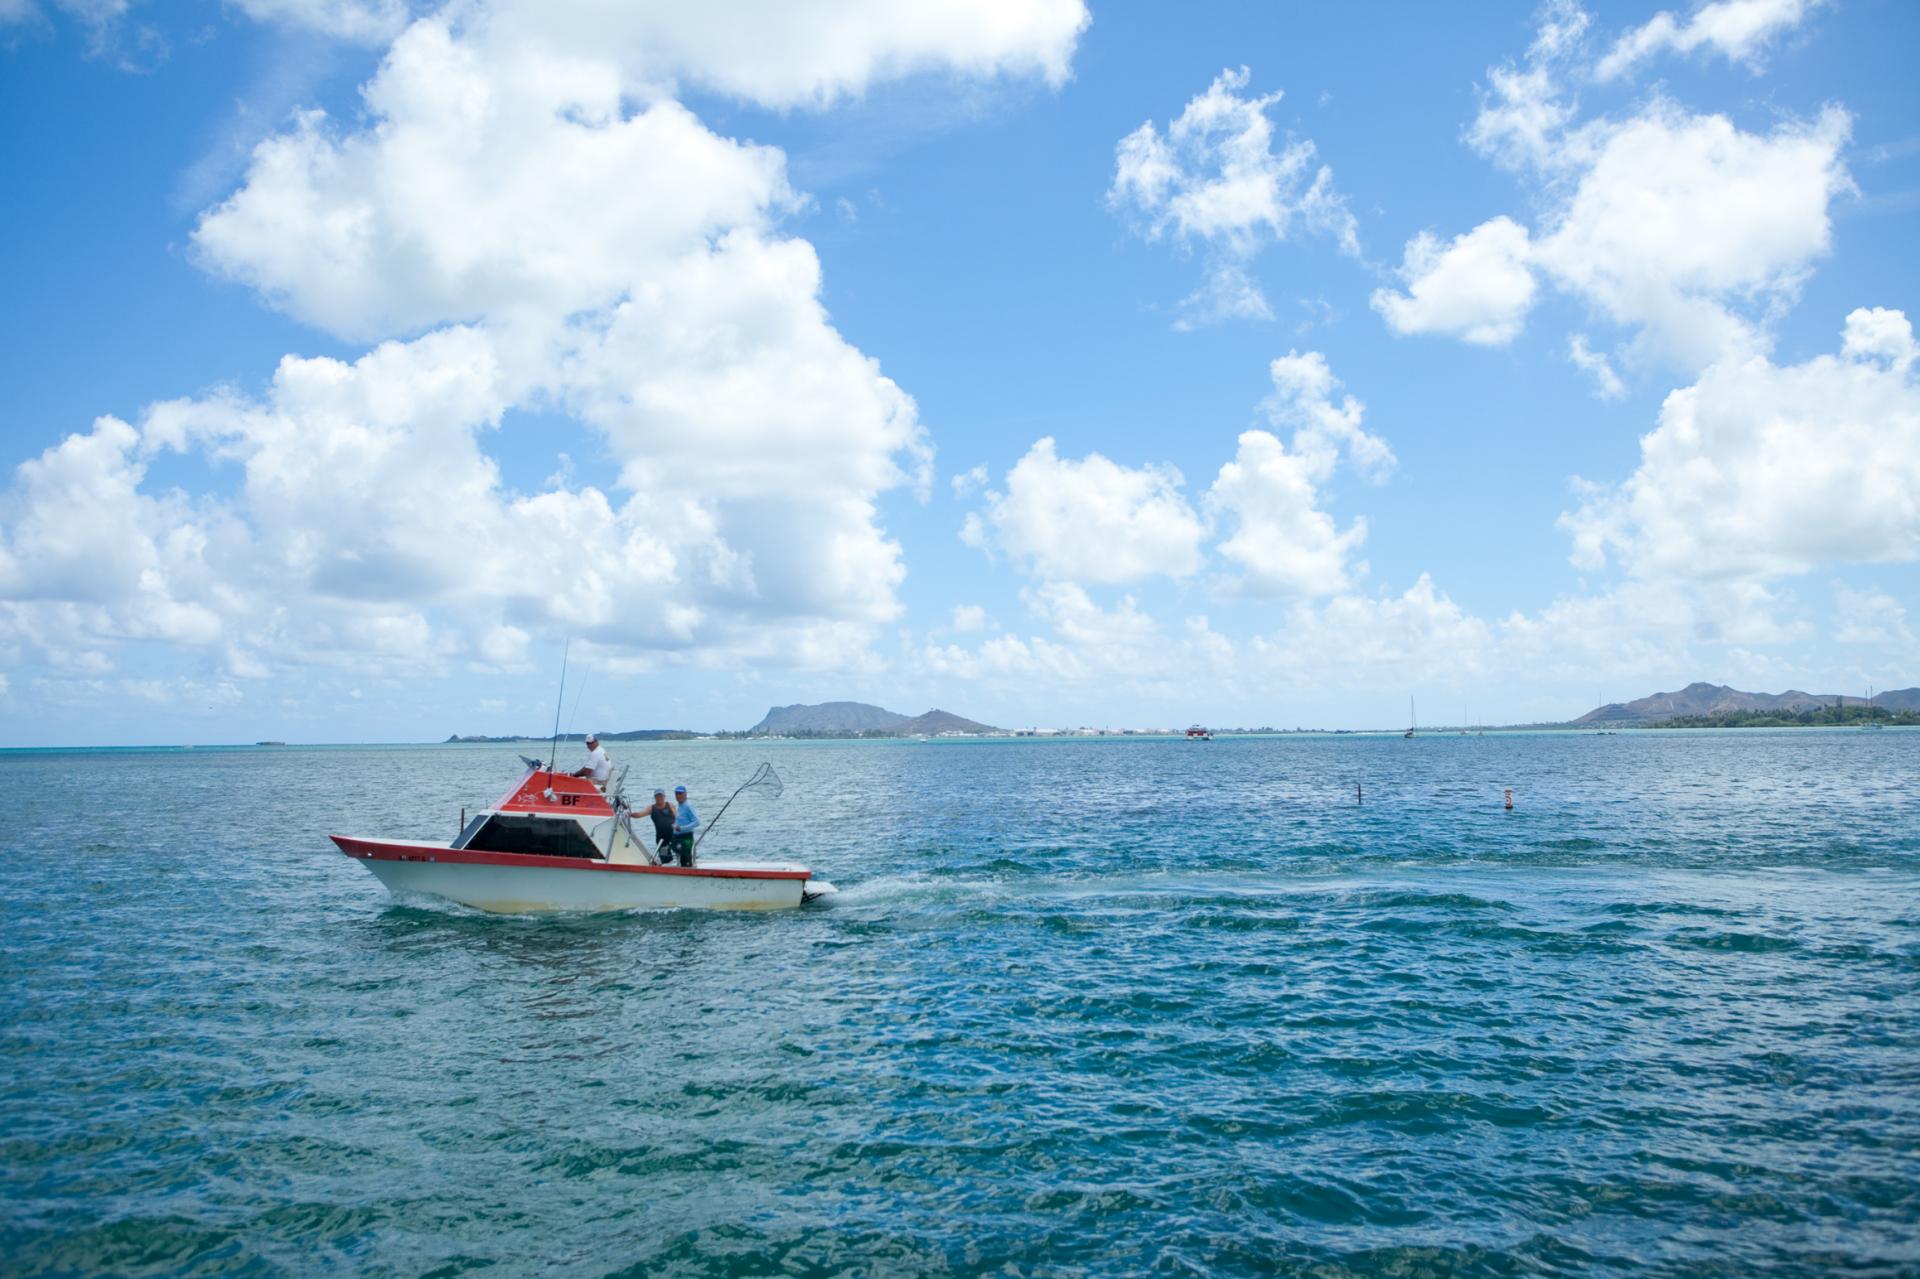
column 555, row 843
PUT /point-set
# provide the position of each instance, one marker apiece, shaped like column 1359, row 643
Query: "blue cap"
column 679, row 790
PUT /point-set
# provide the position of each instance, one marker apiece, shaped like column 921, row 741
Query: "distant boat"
column 1199, row 733
column 1871, row 721
column 269, row 743
column 1413, row 719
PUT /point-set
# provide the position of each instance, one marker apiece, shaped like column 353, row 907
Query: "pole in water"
column 1356, row 794
column 1509, row 799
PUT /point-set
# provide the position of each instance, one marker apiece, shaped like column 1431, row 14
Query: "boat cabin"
column 550, row 814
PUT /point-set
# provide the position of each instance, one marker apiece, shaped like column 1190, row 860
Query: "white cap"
column 593, row 737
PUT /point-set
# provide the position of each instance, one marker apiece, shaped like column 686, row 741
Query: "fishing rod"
column 573, row 716
column 559, row 701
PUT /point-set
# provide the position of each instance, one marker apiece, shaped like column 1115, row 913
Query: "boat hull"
column 516, row 884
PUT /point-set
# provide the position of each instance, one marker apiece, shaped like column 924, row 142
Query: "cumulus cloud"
column 1479, row 287
column 533, row 222
column 1680, row 227
column 1079, row 641
column 490, row 185
column 1094, row 520
column 1606, row 383
column 1675, row 218
column 1303, row 398
column 1877, row 333
column 1526, row 106
column 87, row 558
column 784, row 55
column 1214, row 179
column 969, row 618
column 969, row 481
column 1091, row 519
column 1739, row 30
column 1871, row 617
column 358, row 21
column 1760, row 471
column 1283, row 543
column 1419, row 633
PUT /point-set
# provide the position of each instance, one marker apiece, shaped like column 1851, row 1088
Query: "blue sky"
column 1503, row 358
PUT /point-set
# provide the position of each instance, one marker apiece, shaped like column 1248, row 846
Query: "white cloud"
column 1122, row 647
column 970, row 618
column 1606, row 383
column 1228, row 293
column 1479, row 287
column 1215, row 179
column 1092, row 520
column 1870, row 617
column 1876, row 333
column 1675, row 217
column 520, row 192
column 1739, row 30
column 1095, row 520
column 1282, row 541
column 786, row 55
column 1420, row 633
column 487, row 186
column 970, row 481
column 1762, row 471
column 359, row 21
column 1682, row 227
column 1303, row 389
column 1525, row 108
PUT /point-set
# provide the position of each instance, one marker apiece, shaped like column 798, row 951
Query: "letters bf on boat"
column 555, row 843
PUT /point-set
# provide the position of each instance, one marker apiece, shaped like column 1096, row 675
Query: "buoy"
column 1509, row 799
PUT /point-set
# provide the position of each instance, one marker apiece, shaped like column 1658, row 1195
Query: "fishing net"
column 764, row 782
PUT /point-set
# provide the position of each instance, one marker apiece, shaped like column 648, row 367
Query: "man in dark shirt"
column 662, row 815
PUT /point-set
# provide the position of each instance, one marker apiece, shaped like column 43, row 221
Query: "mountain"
column 858, row 717
column 934, row 723
column 828, row 717
column 1717, row 699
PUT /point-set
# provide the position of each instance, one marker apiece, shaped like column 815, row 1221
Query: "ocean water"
column 1104, row 1007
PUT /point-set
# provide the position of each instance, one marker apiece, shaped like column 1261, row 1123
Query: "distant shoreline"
column 1908, row 723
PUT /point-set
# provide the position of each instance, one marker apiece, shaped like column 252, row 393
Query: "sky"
column 1051, row 363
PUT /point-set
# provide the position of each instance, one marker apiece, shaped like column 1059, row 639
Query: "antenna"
column 558, row 702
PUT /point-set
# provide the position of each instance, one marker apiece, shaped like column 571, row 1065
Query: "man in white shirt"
column 599, row 767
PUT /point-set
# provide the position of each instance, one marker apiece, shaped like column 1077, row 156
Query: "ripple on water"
column 1640, row 1025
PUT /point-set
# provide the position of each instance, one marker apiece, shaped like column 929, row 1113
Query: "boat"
column 555, row 843
column 1413, row 719
column 1872, row 711
column 1199, row 733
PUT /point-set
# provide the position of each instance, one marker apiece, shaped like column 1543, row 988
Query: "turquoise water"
column 1091, row 1007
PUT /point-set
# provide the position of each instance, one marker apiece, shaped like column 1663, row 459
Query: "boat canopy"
column 541, row 791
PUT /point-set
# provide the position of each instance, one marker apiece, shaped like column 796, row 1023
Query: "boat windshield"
column 526, row 833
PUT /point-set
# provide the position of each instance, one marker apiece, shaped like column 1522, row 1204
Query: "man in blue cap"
column 685, row 822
